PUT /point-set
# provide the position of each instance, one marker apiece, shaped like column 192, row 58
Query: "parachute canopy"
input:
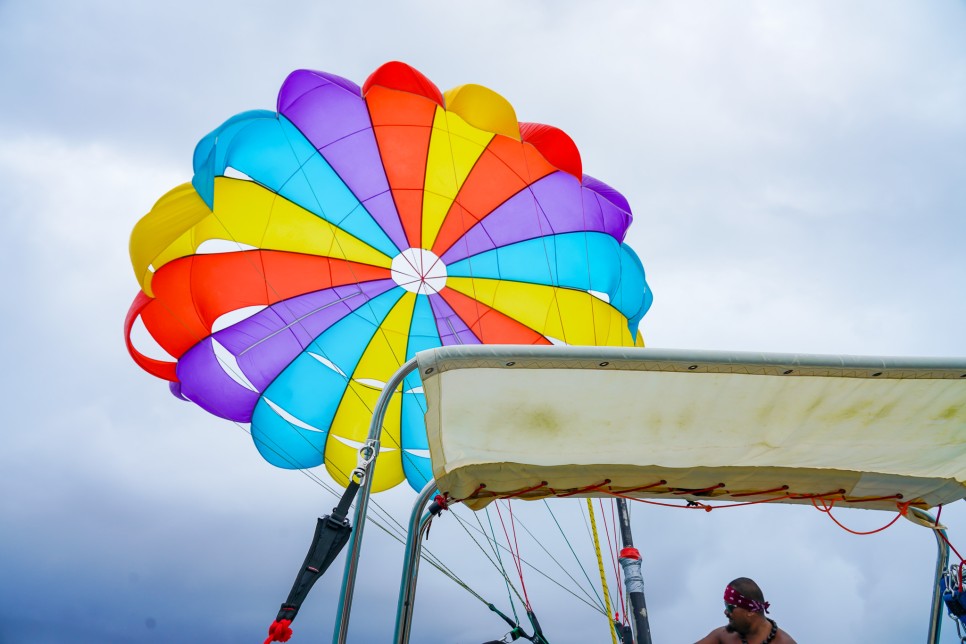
column 319, row 247
column 530, row 422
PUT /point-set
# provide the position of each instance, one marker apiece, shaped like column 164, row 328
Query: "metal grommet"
column 510, row 364
column 692, row 367
column 428, row 371
column 787, row 371
column 877, row 373
column 603, row 364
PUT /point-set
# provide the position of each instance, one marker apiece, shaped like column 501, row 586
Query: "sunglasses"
column 729, row 608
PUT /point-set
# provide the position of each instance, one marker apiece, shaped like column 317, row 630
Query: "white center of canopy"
column 420, row 271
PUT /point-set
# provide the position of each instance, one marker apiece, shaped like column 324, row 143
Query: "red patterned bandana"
column 733, row 597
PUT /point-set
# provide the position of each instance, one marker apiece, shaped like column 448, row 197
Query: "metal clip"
column 367, row 455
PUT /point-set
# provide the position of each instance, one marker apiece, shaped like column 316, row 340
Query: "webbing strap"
column 331, row 534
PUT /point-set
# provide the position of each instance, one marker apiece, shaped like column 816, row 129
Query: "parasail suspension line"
column 600, row 566
column 499, row 558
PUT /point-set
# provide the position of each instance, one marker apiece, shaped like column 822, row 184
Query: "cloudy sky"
column 796, row 171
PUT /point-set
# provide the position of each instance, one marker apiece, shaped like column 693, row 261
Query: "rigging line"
column 545, row 575
column 577, row 584
column 278, row 450
column 496, row 551
column 612, row 549
column 514, row 553
column 298, row 321
column 399, row 534
column 600, row 567
column 312, row 476
column 612, row 545
column 500, row 568
column 576, row 558
column 615, row 555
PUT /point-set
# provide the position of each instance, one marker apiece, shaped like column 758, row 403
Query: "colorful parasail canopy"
column 319, row 247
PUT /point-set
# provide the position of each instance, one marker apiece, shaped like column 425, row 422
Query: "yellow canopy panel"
column 532, row 422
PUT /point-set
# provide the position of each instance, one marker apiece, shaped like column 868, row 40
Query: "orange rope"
column 589, row 488
column 522, row 492
column 700, row 491
column 777, row 489
column 827, row 509
column 643, row 487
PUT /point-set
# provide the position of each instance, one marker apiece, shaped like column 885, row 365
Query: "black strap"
column 331, row 534
column 624, row 632
column 537, row 637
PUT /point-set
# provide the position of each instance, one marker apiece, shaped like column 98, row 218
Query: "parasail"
column 319, row 247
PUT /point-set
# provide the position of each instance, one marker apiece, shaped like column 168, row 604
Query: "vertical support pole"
column 942, row 560
column 418, row 524
column 633, row 578
column 368, row 453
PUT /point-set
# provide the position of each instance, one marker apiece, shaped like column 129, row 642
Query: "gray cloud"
column 796, row 176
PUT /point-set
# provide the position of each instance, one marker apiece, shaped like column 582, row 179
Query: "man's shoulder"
column 784, row 638
column 719, row 635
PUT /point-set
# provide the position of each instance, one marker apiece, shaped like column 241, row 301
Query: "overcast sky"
column 797, row 173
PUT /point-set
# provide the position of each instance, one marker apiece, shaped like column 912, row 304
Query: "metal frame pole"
column 925, row 519
column 368, row 455
column 414, row 550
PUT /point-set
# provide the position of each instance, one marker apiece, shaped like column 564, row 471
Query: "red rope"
column 522, row 492
column 279, row 631
column 701, row 506
column 514, row 550
column 589, row 488
column 612, row 548
column 701, row 491
column 823, row 495
column 777, row 489
column 962, row 562
column 643, row 487
column 827, row 509
column 897, row 497
column 472, row 494
column 955, row 552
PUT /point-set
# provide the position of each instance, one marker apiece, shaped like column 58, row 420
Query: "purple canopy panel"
column 356, row 160
column 611, row 194
column 333, row 116
column 205, row 382
column 452, row 330
column 287, row 328
column 550, row 205
column 553, row 205
column 603, row 205
column 264, row 345
column 304, row 83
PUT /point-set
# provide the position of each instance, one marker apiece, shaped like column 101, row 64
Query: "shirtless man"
column 745, row 608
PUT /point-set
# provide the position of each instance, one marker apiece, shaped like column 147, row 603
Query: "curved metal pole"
column 362, row 501
column 942, row 560
column 414, row 549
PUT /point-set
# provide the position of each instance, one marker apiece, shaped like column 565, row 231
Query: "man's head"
column 744, row 604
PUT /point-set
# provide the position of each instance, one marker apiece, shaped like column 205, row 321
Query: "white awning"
column 533, row 422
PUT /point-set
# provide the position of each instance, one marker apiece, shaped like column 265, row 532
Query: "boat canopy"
column 533, row 422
